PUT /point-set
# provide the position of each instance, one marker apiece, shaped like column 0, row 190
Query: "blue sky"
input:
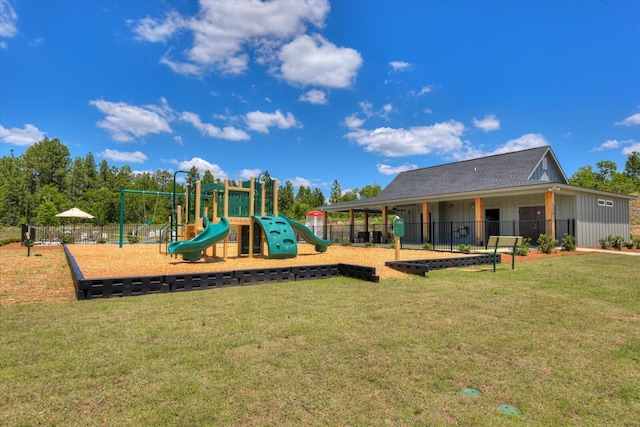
column 314, row 91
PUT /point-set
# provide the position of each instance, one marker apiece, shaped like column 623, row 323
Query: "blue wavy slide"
column 191, row 250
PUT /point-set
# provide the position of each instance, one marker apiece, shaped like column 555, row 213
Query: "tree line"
column 608, row 178
column 45, row 180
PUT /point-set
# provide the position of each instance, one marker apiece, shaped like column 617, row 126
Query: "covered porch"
column 447, row 222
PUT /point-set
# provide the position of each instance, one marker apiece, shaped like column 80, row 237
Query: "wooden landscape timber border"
column 422, row 266
column 143, row 285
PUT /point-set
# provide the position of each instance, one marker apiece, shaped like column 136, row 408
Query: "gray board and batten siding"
column 601, row 215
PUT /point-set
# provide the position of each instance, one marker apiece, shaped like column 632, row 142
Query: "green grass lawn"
column 559, row 339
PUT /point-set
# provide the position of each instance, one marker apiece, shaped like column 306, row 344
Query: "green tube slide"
column 191, row 250
column 308, row 236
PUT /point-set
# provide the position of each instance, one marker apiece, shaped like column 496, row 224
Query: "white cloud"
column 185, row 68
column 399, row 65
column 610, row 144
column 353, row 122
column 228, row 132
column 314, row 96
column 178, row 139
column 142, row 172
column 8, row 19
column 29, row 135
column 224, row 33
column 424, row 91
column 387, row 109
column 630, row 121
column 124, row 156
column 315, row 61
column 394, row 170
column 487, row 124
column 634, row 146
column 443, row 138
column 154, row 31
column 261, row 122
column 366, row 107
column 529, row 140
column 202, row 166
column 36, row 42
column 246, row 174
column 126, row 122
column 299, row 181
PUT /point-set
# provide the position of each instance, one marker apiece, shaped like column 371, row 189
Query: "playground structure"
column 251, row 207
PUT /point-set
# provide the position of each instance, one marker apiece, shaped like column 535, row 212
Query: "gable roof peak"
column 497, row 171
column 542, row 149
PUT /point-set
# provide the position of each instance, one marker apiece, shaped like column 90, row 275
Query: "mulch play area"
column 47, row 275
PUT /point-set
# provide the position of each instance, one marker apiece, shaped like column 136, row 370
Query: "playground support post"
column 173, row 205
column 122, row 190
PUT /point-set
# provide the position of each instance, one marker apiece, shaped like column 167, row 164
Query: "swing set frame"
column 173, row 195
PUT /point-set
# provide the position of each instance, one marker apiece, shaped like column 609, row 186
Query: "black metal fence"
column 440, row 235
column 446, row 235
column 89, row 233
column 474, row 234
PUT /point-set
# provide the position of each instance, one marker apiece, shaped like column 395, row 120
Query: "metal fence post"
column 451, row 236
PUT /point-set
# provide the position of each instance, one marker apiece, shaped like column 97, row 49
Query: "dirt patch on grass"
column 42, row 277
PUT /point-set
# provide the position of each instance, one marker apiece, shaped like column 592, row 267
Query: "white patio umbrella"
column 75, row 213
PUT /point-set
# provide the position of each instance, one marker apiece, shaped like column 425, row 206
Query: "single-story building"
column 522, row 193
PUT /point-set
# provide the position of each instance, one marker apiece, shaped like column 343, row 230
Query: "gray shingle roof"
column 482, row 174
column 485, row 173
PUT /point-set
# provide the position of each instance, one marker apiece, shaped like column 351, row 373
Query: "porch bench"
column 503, row 244
column 363, row 236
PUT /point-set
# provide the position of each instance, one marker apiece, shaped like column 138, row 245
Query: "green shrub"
column 133, row 239
column 9, row 240
column 546, row 243
column 427, row 246
column 523, row 247
column 636, row 241
column 629, row 244
column 568, row 243
column 368, row 244
column 67, row 239
column 610, row 241
column 101, row 240
column 605, row 243
column 346, row 242
column 464, row 248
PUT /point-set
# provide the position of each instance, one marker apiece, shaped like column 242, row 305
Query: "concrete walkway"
column 608, row 251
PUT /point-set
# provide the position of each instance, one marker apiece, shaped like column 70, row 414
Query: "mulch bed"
column 97, row 261
column 47, row 277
